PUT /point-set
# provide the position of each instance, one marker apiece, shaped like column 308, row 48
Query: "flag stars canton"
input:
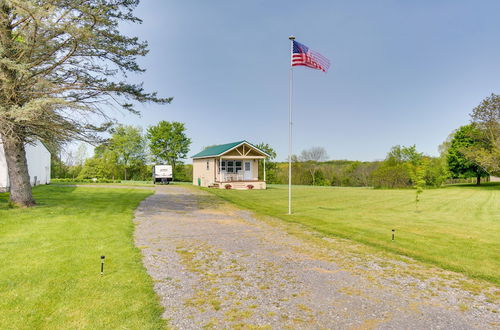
column 302, row 55
column 299, row 48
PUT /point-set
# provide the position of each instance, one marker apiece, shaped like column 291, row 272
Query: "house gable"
column 236, row 149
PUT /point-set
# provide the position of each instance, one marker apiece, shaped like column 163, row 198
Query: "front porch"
column 239, row 172
column 240, row 185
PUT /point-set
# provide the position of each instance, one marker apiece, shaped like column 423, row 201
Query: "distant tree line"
column 471, row 151
column 129, row 155
column 398, row 170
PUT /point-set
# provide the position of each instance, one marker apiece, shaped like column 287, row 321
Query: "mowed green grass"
column 50, row 262
column 456, row 227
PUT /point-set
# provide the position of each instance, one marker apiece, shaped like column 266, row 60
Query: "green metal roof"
column 220, row 149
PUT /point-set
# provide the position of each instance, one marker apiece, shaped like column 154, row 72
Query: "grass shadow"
column 4, row 201
column 482, row 186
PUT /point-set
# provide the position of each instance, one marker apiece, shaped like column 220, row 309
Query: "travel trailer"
column 162, row 174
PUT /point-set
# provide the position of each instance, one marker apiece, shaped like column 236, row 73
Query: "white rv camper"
column 38, row 158
column 162, row 174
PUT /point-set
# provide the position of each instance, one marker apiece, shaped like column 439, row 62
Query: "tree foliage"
column 124, row 156
column 401, row 154
column 123, row 151
column 270, row 165
column 485, row 152
column 104, row 165
column 436, row 171
column 267, row 149
column 463, row 140
column 398, row 167
column 168, row 142
column 418, row 179
column 128, row 145
column 63, row 65
column 389, row 175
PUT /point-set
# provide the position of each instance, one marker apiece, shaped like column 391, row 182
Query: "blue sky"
column 403, row 72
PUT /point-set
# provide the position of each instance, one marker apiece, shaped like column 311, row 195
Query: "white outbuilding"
column 38, row 158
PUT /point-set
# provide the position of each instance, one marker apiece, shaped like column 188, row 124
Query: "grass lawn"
column 456, row 227
column 122, row 183
column 50, row 262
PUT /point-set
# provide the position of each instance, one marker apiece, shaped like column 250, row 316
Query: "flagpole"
column 290, row 129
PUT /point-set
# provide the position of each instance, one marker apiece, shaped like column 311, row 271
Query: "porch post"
column 264, row 169
column 220, row 169
column 215, row 169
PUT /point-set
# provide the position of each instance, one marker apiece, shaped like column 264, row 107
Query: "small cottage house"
column 38, row 159
column 230, row 166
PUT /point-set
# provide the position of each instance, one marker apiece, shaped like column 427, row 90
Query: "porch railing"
column 229, row 177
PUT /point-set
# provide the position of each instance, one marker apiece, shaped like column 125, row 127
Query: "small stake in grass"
column 393, row 234
column 102, row 265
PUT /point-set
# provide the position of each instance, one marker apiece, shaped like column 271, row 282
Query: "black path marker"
column 102, row 265
column 393, row 234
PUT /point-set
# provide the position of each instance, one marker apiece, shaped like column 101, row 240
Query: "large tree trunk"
column 20, row 187
column 478, row 180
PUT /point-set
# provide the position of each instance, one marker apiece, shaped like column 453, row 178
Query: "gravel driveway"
column 216, row 266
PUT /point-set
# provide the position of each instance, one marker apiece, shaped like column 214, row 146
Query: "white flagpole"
column 290, row 129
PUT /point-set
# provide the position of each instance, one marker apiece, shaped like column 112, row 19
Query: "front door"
column 248, row 170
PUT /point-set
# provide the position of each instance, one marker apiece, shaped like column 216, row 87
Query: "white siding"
column 38, row 158
column 4, row 177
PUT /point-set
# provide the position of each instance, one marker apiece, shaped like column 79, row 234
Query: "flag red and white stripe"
column 302, row 55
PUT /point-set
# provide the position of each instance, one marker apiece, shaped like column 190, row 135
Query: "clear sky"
column 403, row 72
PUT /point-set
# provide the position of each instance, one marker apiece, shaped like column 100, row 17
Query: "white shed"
column 38, row 158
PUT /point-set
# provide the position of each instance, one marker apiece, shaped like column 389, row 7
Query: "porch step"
column 239, row 185
column 214, row 185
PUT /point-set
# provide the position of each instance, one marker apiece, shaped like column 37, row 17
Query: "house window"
column 247, row 166
column 208, row 165
column 230, row 166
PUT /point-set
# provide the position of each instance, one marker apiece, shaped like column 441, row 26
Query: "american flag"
column 302, row 55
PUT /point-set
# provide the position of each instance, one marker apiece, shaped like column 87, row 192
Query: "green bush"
column 391, row 176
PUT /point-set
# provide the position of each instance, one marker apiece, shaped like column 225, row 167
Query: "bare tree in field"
column 315, row 154
column 81, row 155
column 62, row 63
column 312, row 157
